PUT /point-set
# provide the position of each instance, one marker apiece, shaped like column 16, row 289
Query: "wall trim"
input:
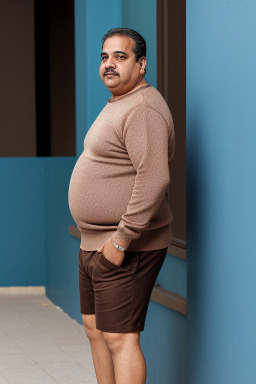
column 176, row 251
column 40, row 290
column 169, row 299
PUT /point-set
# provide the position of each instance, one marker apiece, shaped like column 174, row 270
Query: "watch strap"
column 118, row 247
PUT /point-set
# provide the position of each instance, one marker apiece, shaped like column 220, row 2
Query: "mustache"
column 110, row 70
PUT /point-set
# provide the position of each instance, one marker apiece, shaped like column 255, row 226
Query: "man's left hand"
column 111, row 253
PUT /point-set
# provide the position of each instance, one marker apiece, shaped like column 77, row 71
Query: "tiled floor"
column 40, row 344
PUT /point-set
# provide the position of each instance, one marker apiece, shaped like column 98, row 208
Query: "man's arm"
column 146, row 140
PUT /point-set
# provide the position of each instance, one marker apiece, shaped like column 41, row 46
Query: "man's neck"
column 142, row 83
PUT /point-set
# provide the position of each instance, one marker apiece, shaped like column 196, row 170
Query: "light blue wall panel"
column 164, row 344
column 22, row 223
column 141, row 16
column 173, row 275
column 221, row 182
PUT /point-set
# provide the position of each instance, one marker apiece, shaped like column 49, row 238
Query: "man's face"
column 119, row 70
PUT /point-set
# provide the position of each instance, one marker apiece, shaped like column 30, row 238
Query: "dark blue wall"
column 34, row 220
column 61, row 248
column 22, row 223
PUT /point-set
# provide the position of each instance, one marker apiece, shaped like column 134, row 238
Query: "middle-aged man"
column 118, row 196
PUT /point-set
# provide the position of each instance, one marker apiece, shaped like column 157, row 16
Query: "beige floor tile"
column 31, row 378
column 40, row 344
column 3, row 380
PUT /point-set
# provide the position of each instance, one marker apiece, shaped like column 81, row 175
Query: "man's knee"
column 92, row 333
column 116, row 342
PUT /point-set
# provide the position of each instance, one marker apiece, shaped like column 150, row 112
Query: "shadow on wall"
column 194, row 169
column 196, row 172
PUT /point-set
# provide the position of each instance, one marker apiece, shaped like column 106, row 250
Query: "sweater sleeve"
column 146, row 141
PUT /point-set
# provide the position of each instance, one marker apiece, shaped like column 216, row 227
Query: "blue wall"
column 141, row 16
column 22, row 223
column 221, row 190
column 61, row 248
column 34, row 223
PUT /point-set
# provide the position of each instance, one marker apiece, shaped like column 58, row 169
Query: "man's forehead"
column 118, row 43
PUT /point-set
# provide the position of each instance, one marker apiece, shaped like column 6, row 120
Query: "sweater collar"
column 128, row 94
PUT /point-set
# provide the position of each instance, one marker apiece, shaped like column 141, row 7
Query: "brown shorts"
column 118, row 296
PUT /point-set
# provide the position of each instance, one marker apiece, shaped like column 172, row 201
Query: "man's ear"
column 143, row 63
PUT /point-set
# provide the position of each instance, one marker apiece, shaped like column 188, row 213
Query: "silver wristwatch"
column 118, row 247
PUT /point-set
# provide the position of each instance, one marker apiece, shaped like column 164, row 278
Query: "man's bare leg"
column 128, row 359
column 102, row 360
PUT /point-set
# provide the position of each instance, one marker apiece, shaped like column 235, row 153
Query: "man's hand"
column 111, row 253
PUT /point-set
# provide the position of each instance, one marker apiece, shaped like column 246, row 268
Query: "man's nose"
column 110, row 63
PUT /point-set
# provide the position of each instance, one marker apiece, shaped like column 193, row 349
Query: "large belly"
column 98, row 194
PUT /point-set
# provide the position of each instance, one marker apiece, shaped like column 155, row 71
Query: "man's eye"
column 122, row 57
column 104, row 58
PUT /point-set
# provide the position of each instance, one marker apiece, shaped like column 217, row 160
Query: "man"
column 118, row 197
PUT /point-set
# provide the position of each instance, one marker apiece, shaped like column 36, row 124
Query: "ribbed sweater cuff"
column 121, row 238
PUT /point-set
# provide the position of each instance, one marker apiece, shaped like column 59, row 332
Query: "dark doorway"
column 55, row 77
column 37, row 94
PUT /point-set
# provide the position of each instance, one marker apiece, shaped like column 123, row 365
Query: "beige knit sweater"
column 120, row 184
